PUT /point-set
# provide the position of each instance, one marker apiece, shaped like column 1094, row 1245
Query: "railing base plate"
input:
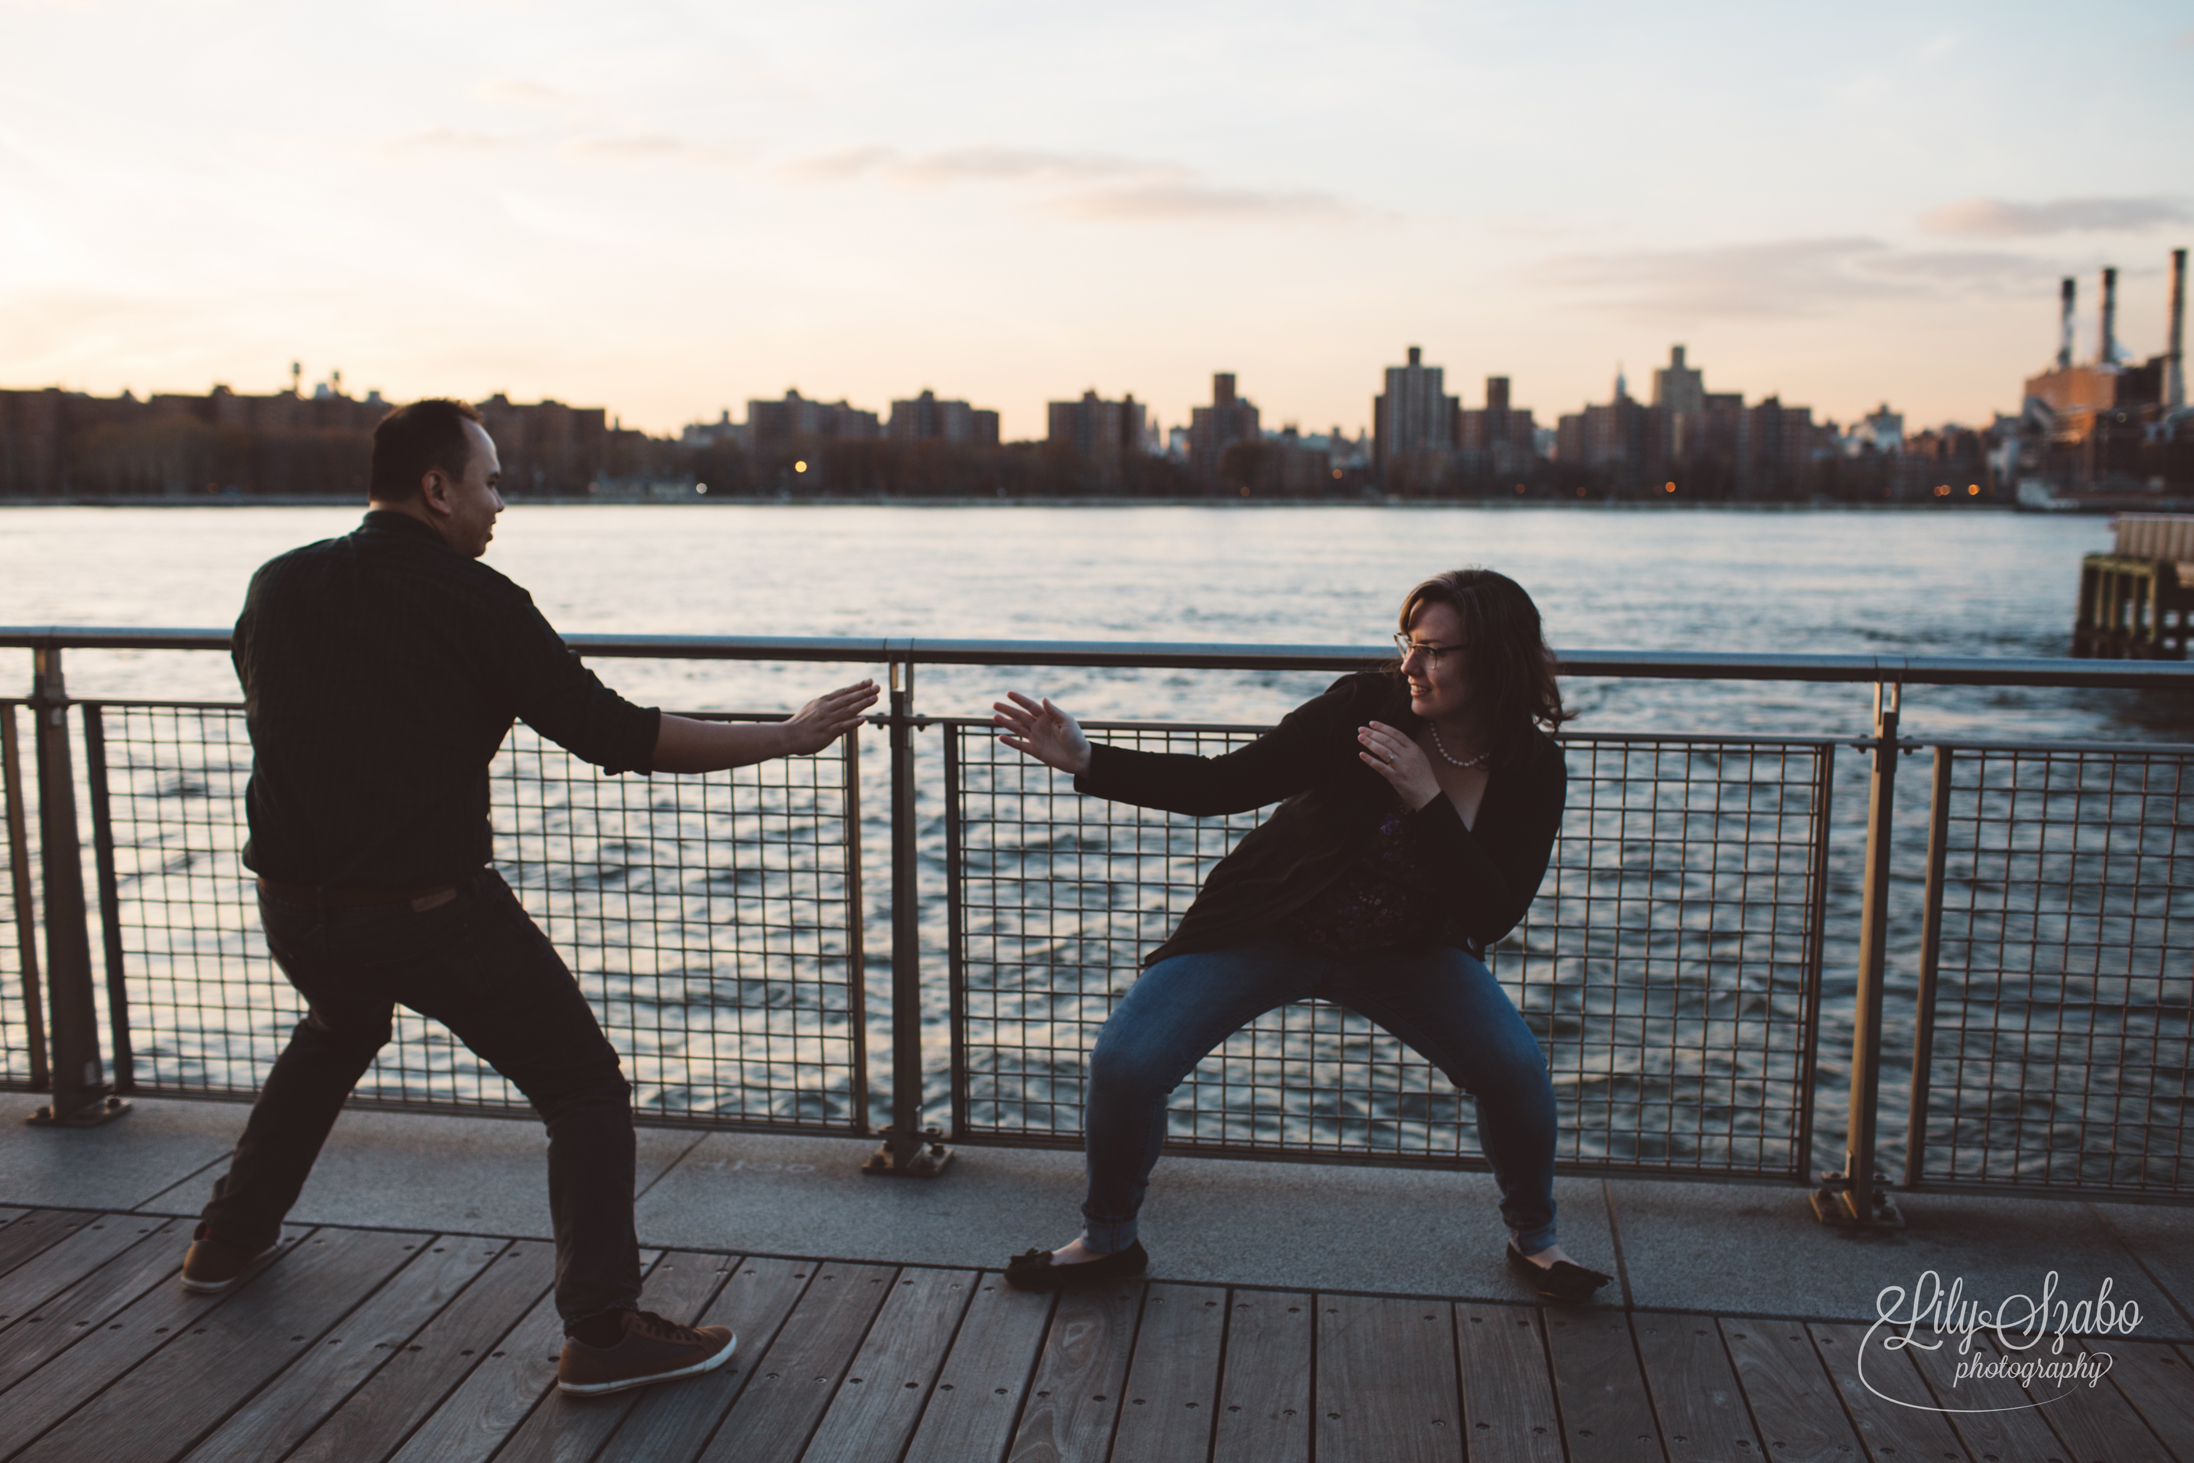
column 928, row 1162
column 90, row 1115
column 1832, row 1206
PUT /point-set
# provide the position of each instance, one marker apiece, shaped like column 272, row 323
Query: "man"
column 381, row 670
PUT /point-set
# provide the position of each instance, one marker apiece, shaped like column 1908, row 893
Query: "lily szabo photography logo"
column 2035, row 1340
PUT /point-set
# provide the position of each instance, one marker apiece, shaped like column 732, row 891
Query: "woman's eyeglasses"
column 1406, row 647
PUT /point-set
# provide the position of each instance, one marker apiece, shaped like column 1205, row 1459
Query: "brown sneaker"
column 652, row 1350
column 215, row 1264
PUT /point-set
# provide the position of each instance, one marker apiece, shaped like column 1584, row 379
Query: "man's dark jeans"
column 481, row 967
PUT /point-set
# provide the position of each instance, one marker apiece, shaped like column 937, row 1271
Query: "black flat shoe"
column 1562, row 1281
column 1036, row 1270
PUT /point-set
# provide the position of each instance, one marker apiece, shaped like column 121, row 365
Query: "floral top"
column 1377, row 903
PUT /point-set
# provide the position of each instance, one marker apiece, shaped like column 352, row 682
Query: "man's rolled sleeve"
column 560, row 698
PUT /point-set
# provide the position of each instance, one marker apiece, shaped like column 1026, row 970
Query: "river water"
column 1950, row 583
column 1971, row 583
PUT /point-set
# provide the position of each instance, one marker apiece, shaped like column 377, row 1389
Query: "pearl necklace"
column 1451, row 757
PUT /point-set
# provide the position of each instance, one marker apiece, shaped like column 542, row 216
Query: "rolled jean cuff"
column 1530, row 1242
column 1109, row 1238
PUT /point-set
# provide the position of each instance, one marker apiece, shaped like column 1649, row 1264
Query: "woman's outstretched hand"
column 1041, row 730
column 1400, row 761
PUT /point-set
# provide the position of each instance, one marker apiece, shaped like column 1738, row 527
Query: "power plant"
column 2112, row 425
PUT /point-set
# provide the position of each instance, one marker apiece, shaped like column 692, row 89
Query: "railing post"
column 81, row 1097
column 26, row 924
column 908, row 1150
column 1931, row 956
column 1854, row 1197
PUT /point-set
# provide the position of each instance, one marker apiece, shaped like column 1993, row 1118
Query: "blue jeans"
column 481, row 967
column 1443, row 1003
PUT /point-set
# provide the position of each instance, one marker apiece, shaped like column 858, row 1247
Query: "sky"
column 668, row 209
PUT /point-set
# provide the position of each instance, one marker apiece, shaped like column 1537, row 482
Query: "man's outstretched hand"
column 685, row 745
column 827, row 718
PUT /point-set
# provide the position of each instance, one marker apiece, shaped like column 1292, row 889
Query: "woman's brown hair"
column 1511, row 670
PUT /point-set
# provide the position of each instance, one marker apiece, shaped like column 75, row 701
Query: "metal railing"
column 715, row 932
column 2057, row 973
column 1672, row 965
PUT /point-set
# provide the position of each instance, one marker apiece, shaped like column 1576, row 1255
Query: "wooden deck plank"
column 573, row 1429
column 1173, row 1377
column 882, row 1396
column 1509, row 1414
column 1074, row 1399
column 62, row 1320
column 1387, row 1390
column 1792, row 1401
column 1694, row 1388
column 2159, row 1383
column 45, row 1275
column 2097, row 1423
column 126, row 1337
column 794, row 1381
column 1607, row 1413
column 37, row 1231
column 418, row 1372
column 321, row 1381
column 187, row 1387
column 1992, row 1416
column 977, row 1401
column 1909, row 1433
column 673, row 1424
column 1264, row 1385
column 498, row 1393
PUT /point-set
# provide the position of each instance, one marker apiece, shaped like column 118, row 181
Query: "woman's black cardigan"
column 1482, row 877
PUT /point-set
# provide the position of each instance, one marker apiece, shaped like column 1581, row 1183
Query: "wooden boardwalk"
column 355, row 1345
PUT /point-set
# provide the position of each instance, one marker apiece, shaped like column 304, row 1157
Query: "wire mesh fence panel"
column 1056, row 898
column 1671, row 963
column 2064, row 972
column 1669, row 967
column 714, row 921
column 707, row 919
column 20, row 991
column 207, row 1010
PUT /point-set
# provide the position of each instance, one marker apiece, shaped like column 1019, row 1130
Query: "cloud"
column 1139, row 202
column 1996, row 219
column 523, row 93
column 650, row 150
column 966, row 165
column 836, row 167
column 444, row 139
column 1781, row 279
column 1074, row 185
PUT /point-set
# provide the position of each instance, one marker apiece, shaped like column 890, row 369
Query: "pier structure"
column 2137, row 601
column 1794, row 1095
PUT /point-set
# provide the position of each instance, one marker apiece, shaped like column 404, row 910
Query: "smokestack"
column 2109, row 355
column 2175, row 353
column 2064, row 329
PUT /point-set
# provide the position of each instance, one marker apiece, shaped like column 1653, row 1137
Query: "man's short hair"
column 414, row 440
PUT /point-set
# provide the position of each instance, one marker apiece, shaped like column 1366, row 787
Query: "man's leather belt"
column 352, row 898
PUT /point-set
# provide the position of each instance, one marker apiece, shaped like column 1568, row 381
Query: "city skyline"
column 678, row 212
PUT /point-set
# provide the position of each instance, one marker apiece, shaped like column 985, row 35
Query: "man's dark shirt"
column 381, row 671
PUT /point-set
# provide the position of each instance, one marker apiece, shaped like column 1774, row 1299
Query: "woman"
column 1421, row 803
